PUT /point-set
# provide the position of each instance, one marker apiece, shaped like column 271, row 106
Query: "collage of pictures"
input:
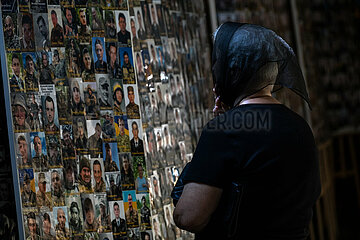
column 108, row 100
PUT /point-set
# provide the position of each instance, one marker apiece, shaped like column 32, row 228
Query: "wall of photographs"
column 108, row 99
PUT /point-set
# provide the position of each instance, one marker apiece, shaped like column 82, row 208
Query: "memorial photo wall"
column 108, row 101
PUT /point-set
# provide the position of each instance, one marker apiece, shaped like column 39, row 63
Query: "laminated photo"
column 113, row 186
column 55, row 26
column 27, row 188
column 22, row 147
column 15, row 70
column 130, row 207
column 135, row 134
column 122, row 136
column 90, row 224
column 38, row 151
column 123, row 28
column 127, row 174
column 98, row 171
column 117, row 215
column 58, row 63
column 84, row 30
column 75, row 214
column 73, row 60
column 107, row 123
column 31, row 74
column 102, row 215
column 50, row 114
column 143, row 204
column 54, row 152
column 95, row 140
column 90, row 99
column 61, row 222
column 87, row 64
column 41, row 29
column 127, row 65
column 77, row 103
column 111, row 157
column 132, row 101
column 43, row 191
column 57, row 187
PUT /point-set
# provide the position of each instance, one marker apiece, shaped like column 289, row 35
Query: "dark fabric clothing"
column 124, row 38
column 275, row 162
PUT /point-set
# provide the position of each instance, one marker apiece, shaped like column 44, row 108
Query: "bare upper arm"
column 196, row 205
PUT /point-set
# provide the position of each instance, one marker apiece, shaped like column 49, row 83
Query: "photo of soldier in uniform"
column 62, row 226
column 155, row 192
column 110, row 26
column 127, row 174
column 160, row 19
column 122, row 136
column 130, row 207
column 96, row 22
column 27, row 42
column 95, row 141
column 69, row 20
column 118, row 223
column 19, row 112
column 102, row 215
column 111, row 157
column 140, row 73
column 63, row 104
column 141, row 31
column 84, row 30
column 90, row 224
column 123, row 27
column 78, row 105
column 46, row 70
column 107, row 124
column 134, row 37
column 98, row 45
column 70, row 176
column 15, row 69
column 41, row 30
column 73, row 58
column 48, row 231
column 67, row 142
column 32, row 225
column 34, row 118
column 57, row 187
column 43, row 193
column 87, row 66
column 90, row 93
column 146, row 19
column 80, row 134
column 155, row 28
column 58, row 63
column 99, row 185
column 135, row 131
column 143, row 204
column 113, row 186
column 31, row 74
column 55, row 23
column 118, row 98
column 127, row 65
column 132, row 101
column 114, row 68
column 27, row 187
column 75, row 216
column 53, row 145
column 153, row 59
column 85, row 184
column 38, row 152
column 12, row 40
column 23, row 150
column 51, row 123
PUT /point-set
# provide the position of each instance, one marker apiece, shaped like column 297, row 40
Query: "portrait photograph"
column 70, row 23
column 131, row 210
column 57, row 187
column 96, row 21
column 146, row 19
column 117, row 216
column 27, row 187
column 55, row 26
column 47, row 224
column 113, row 186
column 140, row 72
column 61, row 221
column 87, row 64
column 90, row 99
column 143, row 204
column 67, row 142
column 140, row 175
column 30, row 72
column 107, row 123
column 135, row 134
column 90, row 224
column 43, row 191
column 58, row 64
column 114, row 66
column 161, row 20
column 127, row 65
column 122, row 20
column 118, row 97
column 73, row 57
column 139, row 24
column 98, row 175
column 45, row 68
column 110, row 26
column 111, row 157
column 153, row 59
column 80, row 134
column 155, row 28
column 53, row 149
column 22, row 147
column 95, row 140
column 75, row 213
column 63, row 104
column 134, row 30
column 102, row 214
column 11, row 31
column 38, row 151
column 84, row 30
column 50, row 114
column 15, row 70
column 34, row 103
column 156, row 227
column 27, row 41
column 31, row 224
column 132, row 101
column 127, row 173
column 98, row 48
column 77, row 97
column 122, row 131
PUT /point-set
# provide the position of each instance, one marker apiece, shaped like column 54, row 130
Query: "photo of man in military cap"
column 19, row 112
column 118, row 97
column 110, row 28
column 90, row 224
column 58, row 63
column 132, row 109
column 104, row 91
column 103, row 218
column 32, row 225
column 110, row 164
column 85, row 175
column 75, row 222
column 42, row 196
column 68, row 147
column 31, row 75
column 54, row 151
column 108, row 128
column 28, row 196
column 127, row 66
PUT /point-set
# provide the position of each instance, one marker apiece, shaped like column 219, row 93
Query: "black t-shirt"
column 271, row 152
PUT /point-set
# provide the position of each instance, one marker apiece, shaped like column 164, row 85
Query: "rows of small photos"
column 94, row 163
